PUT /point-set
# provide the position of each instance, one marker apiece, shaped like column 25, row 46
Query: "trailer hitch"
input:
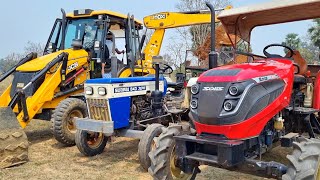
column 264, row 169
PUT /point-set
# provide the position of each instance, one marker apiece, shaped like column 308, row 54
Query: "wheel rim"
column 153, row 145
column 94, row 140
column 176, row 172
column 71, row 120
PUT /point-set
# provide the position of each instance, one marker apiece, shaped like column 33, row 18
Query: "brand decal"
column 265, row 78
column 20, row 85
column 212, row 88
column 73, row 66
column 98, row 105
column 158, row 16
column 129, row 89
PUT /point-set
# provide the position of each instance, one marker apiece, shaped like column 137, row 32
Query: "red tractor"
column 241, row 111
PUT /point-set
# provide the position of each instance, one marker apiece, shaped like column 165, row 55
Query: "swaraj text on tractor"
column 50, row 87
column 241, row 111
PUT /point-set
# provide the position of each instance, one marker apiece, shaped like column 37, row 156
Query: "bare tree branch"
column 190, row 38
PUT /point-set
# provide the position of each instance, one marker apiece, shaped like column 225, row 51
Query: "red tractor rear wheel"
column 304, row 161
column 163, row 157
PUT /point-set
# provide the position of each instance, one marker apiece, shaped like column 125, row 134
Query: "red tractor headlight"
column 229, row 105
column 194, row 103
column 236, row 89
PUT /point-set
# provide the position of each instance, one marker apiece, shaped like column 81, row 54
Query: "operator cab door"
column 54, row 38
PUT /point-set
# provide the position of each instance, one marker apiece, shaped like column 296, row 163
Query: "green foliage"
column 292, row 40
column 315, row 33
column 305, row 46
column 243, row 46
column 9, row 61
column 309, row 51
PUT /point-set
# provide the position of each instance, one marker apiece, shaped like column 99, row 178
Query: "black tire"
column 146, row 142
column 161, row 156
column 63, row 126
column 82, row 142
column 304, row 161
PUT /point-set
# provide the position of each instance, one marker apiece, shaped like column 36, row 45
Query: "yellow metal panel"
column 44, row 94
column 153, row 47
column 125, row 73
column 41, row 62
column 174, row 20
column 137, row 71
column 5, row 97
column 99, row 12
column 54, row 103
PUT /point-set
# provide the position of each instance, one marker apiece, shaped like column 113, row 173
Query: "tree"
column 34, row 47
column 309, row 51
column 292, row 40
column 175, row 54
column 192, row 37
column 304, row 45
column 198, row 33
column 243, row 46
column 315, row 33
column 9, row 61
column 13, row 58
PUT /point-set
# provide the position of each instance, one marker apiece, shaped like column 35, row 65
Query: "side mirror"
column 97, row 45
column 52, row 47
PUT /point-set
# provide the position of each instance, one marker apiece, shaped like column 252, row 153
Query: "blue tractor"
column 137, row 107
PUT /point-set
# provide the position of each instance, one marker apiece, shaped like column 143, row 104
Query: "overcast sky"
column 32, row 20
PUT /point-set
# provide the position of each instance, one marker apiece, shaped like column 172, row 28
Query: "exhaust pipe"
column 64, row 23
column 213, row 55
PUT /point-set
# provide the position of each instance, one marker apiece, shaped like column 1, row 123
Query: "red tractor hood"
column 240, row 72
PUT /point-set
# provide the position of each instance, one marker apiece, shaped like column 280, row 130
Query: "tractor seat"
column 174, row 85
column 299, row 80
column 300, row 61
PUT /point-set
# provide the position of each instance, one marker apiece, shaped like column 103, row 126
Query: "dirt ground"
column 51, row 160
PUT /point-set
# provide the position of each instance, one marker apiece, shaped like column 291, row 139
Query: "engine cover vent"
column 222, row 72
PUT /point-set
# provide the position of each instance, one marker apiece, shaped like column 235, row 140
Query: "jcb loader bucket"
column 13, row 140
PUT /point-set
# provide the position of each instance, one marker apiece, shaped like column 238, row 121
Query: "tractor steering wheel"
column 268, row 55
column 164, row 68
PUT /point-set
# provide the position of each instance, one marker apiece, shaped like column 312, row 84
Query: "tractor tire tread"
column 145, row 144
column 81, row 143
column 304, row 160
column 59, row 115
column 159, row 157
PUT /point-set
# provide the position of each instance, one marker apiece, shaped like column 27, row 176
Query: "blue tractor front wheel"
column 90, row 143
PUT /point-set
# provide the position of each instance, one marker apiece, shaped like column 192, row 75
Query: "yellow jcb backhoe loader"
column 49, row 87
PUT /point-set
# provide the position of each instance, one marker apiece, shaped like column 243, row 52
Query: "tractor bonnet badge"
column 212, row 88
